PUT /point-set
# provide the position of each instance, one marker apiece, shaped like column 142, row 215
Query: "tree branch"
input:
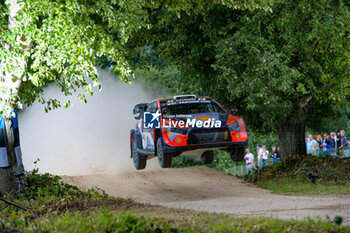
column 302, row 105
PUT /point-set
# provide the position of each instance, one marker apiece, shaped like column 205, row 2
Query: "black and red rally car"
column 186, row 123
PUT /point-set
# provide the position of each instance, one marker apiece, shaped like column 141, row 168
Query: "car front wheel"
column 237, row 154
column 163, row 158
column 207, row 157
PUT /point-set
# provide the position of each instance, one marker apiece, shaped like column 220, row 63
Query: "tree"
column 281, row 67
column 57, row 42
column 44, row 41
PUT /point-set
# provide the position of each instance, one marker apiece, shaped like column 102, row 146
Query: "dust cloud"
column 86, row 138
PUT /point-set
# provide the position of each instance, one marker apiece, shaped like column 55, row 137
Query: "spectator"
column 316, row 149
column 260, row 155
column 337, row 142
column 275, row 154
column 344, row 144
column 265, row 156
column 319, row 149
column 249, row 159
column 328, row 146
column 325, row 145
column 306, row 139
column 331, row 143
column 310, row 145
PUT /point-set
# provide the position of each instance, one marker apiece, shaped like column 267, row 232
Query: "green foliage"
column 331, row 172
column 280, row 67
column 100, row 221
column 286, row 57
column 58, row 42
column 165, row 78
column 76, row 211
column 267, row 63
column 338, row 120
column 185, row 161
column 222, row 161
column 303, row 186
column 47, row 184
column 110, row 221
column 50, row 192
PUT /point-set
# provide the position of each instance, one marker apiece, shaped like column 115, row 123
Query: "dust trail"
column 86, row 138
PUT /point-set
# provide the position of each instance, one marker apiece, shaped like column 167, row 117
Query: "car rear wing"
column 139, row 110
column 190, row 96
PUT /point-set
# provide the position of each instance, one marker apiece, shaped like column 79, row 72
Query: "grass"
column 135, row 217
column 58, row 207
column 296, row 187
column 291, row 176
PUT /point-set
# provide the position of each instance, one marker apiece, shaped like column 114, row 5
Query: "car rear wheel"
column 237, row 154
column 163, row 158
column 207, row 157
column 138, row 159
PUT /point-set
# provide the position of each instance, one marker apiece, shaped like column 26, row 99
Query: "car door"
column 148, row 134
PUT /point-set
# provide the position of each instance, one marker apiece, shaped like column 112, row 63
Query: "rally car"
column 186, row 123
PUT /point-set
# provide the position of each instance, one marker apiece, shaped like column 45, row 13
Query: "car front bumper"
column 221, row 145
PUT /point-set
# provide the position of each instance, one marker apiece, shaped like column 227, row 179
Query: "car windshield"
column 191, row 108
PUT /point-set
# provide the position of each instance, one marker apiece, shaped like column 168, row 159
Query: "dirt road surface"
column 205, row 189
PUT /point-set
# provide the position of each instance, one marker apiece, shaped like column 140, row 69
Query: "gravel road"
column 204, row 189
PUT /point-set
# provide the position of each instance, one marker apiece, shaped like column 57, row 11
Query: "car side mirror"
column 233, row 111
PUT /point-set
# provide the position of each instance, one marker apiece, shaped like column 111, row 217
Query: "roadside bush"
column 222, row 161
column 184, row 161
column 40, row 185
column 328, row 170
column 47, row 184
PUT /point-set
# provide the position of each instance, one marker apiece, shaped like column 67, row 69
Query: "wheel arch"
column 157, row 134
column 137, row 136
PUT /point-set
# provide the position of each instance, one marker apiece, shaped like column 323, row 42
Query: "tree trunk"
column 291, row 137
column 7, row 179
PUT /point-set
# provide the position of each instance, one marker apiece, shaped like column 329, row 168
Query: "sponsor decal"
column 152, row 121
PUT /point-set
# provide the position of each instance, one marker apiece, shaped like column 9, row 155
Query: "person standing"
column 275, row 154
column 249, row 159
column 344, row 144
column 4, row 161
column 319, row 149
column 260, row 155
column 310, row 145
column 331, row 143
column 325, row 145
column 265, row 156
column 337, row 142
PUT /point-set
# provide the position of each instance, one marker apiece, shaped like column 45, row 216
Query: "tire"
column 237, row 154
column 163, row 159
column 138, row 159
column 207, row 157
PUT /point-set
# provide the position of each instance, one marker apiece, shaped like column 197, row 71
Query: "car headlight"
column 233, row 126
